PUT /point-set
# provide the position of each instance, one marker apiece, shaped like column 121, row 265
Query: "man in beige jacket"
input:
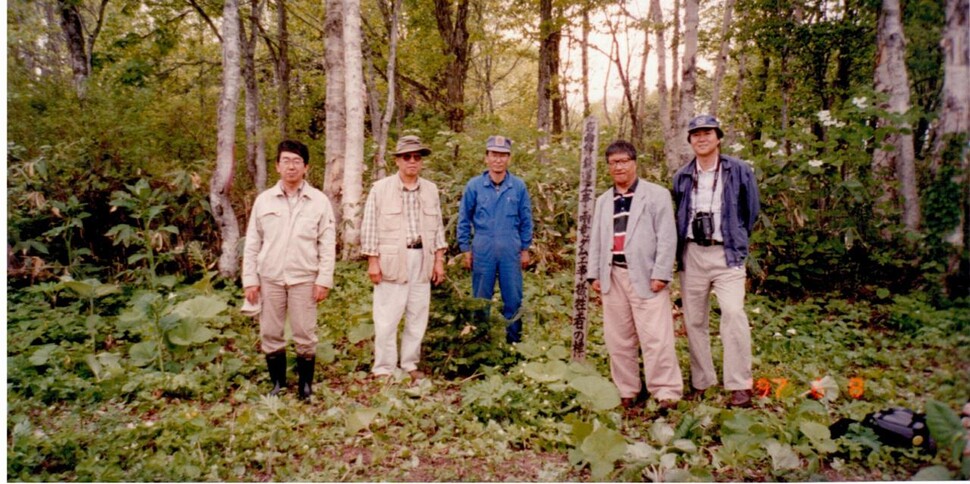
column 288, row 264
column 403, row 237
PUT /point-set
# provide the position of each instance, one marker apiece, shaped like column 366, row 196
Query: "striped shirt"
column 621, row 214
column 412, row 212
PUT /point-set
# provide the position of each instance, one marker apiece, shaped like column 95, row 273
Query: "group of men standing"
column 636, row 238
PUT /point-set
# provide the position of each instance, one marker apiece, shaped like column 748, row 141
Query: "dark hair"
column 293, row 147
column 621, row 146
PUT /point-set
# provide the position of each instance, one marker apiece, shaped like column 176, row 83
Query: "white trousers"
column 392, row 301
column 705, row 271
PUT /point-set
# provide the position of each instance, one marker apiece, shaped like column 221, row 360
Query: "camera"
column 703, row 226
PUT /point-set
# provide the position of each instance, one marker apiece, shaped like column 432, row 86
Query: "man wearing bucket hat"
column 717, row 205
column 495, row 232
column 288, row 264
column 403, row 237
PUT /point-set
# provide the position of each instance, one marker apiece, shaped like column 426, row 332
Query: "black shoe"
column 276, row 362
column 740, row 399
column 304, row 369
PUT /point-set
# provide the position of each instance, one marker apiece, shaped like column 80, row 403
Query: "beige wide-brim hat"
column 410, row 144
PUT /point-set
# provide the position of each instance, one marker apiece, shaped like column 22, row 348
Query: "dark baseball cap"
column 704, row 121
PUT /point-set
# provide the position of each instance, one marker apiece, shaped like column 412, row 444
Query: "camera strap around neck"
column 697, row 170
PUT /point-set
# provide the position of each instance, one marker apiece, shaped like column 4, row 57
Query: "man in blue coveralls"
column 495, row 232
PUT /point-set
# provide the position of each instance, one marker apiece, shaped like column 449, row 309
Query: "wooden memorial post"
column 587, row 199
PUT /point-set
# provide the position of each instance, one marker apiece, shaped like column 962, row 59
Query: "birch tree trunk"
column 255, row 142
column 385, row 125
column 543, row 91
column 656, row 18
column 336, row 109
column 587, row 200
column 722, row 56
column 688, row 81
column 892, row 79
column 283, row 70
column 70, row 19
column 675, row 67
column 222, row 176
column 354, row 147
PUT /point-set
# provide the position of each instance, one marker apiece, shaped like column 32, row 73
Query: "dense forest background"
column 139, row 133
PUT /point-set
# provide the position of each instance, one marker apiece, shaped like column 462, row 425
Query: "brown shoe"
column 416, row 375
column 628, row 403
column 740, row 399
column 694, row 395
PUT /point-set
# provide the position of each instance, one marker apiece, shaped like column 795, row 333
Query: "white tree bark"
column 722, row 55
column 385, row 125
column 656, row 18
column 587, row 200
column 955, row 106
column 354, row 147
column 336, row 108
column 688, row 85
column 892, row 79
column 255, row 141
column 222, row 176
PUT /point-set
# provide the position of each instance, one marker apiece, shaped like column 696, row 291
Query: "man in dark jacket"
column 717, row 205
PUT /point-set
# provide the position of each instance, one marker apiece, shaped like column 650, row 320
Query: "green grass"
column 83, row 407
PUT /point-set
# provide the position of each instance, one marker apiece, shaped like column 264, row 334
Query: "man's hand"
column 252, row 294
column 596, row 286
column 656, row 285
column 525, row 258
column 374, row 269
column 438, row 273
column 467, row 261
column 320, row 292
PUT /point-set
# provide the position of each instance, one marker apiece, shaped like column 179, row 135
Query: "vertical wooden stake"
column 587, row 199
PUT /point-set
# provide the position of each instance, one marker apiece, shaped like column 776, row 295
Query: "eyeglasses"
column 290, row 162
column 410, row 156
column 619, row 162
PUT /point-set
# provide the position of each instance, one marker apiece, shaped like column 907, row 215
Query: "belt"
column 416, row 245
column 707, row 243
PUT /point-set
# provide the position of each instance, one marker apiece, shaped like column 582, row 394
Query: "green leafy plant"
column 149, row 234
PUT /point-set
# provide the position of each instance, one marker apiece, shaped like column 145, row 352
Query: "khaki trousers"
column 705, row 269
column 392, row 301
column 297, row 301
column 632, row 325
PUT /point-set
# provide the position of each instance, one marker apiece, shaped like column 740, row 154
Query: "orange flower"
column 817, row 391
column 857, row 387
column 782, row 383
column 762, row 387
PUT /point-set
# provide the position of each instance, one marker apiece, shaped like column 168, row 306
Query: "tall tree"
column 544, row 85
column 954, row 117
column 585, row 59
column 80, row 48
column 380, row 136
column 656, row 19
column 453, row 27
column 283, row 69
column 353, row 186
column 222, row 176
column 335, row 130
column 688, row 78
column 255, row 142
column 892, row 80
column 722, row 55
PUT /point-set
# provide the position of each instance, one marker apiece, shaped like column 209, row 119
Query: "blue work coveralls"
column 495, row 224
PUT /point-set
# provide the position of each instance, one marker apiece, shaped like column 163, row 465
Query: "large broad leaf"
column 933, row 473
column 360, row 332
column 819, row 435
column 43, row 354
column 783, row 457
column 945, row 427
column 143, row 353
column 662, row 432
column 602, row 448
column 200, row 308
column 548, row 372
column 600, row 392
column 360, row 419
column 189, row 332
